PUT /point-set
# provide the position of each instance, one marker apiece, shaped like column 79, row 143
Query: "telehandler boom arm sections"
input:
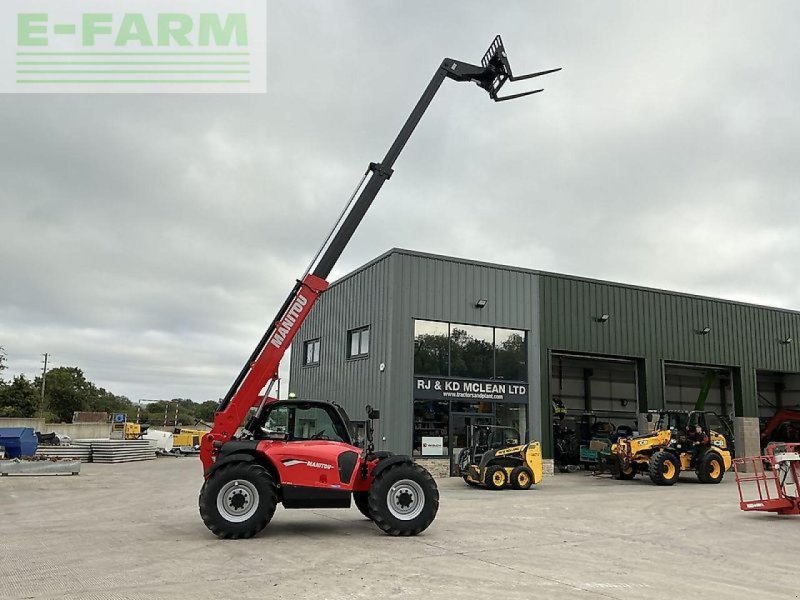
column 261, row 369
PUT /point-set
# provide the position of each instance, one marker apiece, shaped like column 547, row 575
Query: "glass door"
column 459, row 434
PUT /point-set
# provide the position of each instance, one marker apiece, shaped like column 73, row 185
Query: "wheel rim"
column 523, row 479
column 715, row 470
column 499, row 478
column 405, row 500
column 237, row 501
column 669, row 469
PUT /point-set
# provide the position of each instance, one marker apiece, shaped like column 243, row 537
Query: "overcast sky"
column 148, row 239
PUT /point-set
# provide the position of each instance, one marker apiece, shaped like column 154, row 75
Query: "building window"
column 311, row 352
column 469, row 351
column 510, row 358
column 431, row 348
column 358, row 342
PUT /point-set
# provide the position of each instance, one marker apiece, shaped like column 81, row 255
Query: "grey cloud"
column 148, row 239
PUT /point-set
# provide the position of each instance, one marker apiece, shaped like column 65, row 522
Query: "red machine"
column 773, row 489
column 783, row 426
column 304, row 453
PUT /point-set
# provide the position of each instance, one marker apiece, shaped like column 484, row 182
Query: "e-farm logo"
column 137, row 46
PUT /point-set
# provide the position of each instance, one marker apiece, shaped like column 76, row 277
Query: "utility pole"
column 44, row 376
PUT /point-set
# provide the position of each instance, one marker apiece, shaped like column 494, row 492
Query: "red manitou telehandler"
column 303, row 453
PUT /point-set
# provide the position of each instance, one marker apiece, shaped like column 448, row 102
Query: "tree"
column 18, row 398
column 66, row 392
column 206, row 410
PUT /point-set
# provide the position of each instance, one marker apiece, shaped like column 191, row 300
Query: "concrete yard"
column 132, row 531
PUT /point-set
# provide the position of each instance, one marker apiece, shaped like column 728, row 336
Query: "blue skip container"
column 18, row 441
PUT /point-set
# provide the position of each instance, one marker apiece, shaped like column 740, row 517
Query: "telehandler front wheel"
column 403, row 499
column 711, row 468
column 238, row 500
column 619, row 472
column 664, row 468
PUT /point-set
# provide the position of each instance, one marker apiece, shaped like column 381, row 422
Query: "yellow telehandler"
column 681, row 441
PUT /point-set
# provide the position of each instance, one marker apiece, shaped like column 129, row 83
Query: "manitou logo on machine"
column 288, row 321
column 309, row 463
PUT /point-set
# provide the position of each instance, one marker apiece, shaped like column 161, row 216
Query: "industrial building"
column 438, row 343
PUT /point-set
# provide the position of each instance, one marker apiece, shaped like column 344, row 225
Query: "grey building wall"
column 388, row 294
column 362, row 298
column 558, row 312
column 437, row 288
column 659, row 326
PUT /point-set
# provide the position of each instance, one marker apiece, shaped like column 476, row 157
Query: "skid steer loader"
column 495, row 459
column 681, row 441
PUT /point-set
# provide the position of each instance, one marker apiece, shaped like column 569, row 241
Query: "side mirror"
column 649, row 417
column 372, row 413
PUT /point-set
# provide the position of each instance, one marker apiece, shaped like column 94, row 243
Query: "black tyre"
column 664, row 468
column 495, row 478
column 403, row 499
column 361, row 500
column 238, row 500
column 618, row 472
column 711, row 468
column 521, row 478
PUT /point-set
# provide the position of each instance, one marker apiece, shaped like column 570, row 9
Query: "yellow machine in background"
column 122, row 430
column 495, row 459
column 187, row 441
column 682, row 441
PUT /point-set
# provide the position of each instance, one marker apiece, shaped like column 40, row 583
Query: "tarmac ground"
column 132, row 531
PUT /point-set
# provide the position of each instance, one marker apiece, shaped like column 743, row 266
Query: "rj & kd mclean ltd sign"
column 442, row 388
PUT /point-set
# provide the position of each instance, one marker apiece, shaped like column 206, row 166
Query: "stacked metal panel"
column 78, row 450
column 119, row 451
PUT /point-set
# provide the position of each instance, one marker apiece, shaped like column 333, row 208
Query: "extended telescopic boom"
column 261, row 370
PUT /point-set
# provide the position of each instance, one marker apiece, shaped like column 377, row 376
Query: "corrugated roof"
column 465, row 261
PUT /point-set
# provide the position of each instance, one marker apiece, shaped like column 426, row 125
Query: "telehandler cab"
column 495, row 459
column 300, row 452
column 681, row 441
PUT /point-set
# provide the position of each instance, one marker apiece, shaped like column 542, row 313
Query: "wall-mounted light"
column 603, row 318
column 481, row 303
column 704, row 331
column 787, row 340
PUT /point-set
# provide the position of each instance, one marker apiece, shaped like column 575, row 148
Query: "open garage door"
column 605, row 387
column 778, row 406
column 593, row 397
column 685, row 386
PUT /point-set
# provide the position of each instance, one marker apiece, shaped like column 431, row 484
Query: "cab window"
column 304, row 422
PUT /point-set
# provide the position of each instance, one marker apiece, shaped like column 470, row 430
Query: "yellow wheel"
column 711, row 468
column 664, row 468
column 521, row 478
column 495, row 478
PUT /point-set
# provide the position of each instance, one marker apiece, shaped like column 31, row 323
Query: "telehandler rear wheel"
column 495, row 478
column 711, row 468
column 664, row 468
column 618, row 472
column 403, row 499
column 521, row 478
column 238, row 500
